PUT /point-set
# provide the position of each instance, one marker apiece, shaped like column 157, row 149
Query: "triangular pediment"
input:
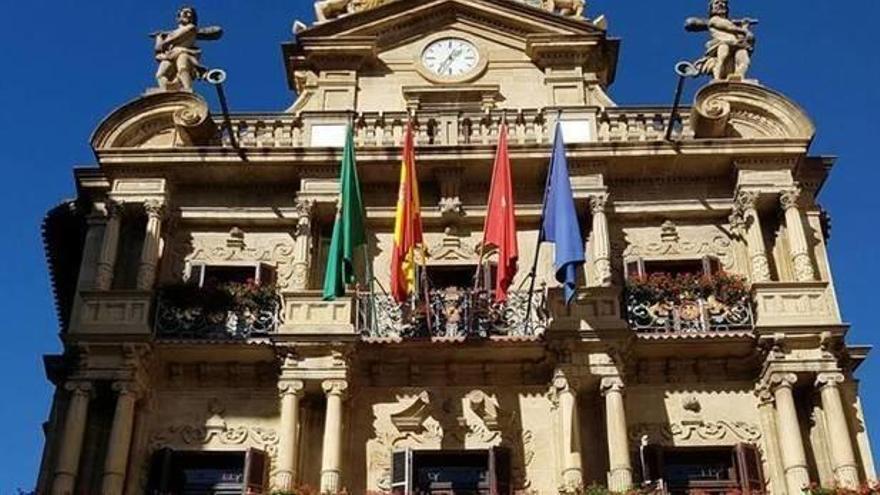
column 388, row 22
column 572, row 56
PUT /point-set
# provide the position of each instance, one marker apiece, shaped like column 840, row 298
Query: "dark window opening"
column 711, row 469
column 708, row 265
column 213, row 275
column 473, row 472
column 461, row 276
column 207, row 473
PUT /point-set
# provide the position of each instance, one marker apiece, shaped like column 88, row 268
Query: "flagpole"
column 534, row 273
column 368, row 265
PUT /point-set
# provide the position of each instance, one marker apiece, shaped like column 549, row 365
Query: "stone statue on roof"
column 731, row 44
column 567, row 8
column 326, row 10
column 177, row 53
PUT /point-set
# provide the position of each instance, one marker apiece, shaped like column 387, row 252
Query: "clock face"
column 450, row 57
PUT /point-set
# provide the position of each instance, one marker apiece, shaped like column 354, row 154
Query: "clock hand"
column 452, row 56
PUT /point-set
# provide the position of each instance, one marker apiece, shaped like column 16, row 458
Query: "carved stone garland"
column 417, row 423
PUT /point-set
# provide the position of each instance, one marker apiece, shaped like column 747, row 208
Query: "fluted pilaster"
column 302, row 257
column 797, row 237
column 109, row 246
column 118, row 449
column 750, row 223
column 290, row 393
column 72, row 437
column 620, row 476
column 794, row 458
column 843, row 459
column 601, row 241
column 332, row 451
column 152, row 244
column 564, row 391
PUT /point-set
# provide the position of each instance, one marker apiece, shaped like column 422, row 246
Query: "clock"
column 451, row 58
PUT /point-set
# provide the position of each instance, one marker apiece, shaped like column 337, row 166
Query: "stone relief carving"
column 731, row 43
column 216, row 433
column 177, row 53
column 276, row 250
column 675, row 241
column 430, row 421
column 326, row 10
column 686, row 431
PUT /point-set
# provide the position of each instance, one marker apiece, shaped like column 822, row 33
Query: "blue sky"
column 67, row 63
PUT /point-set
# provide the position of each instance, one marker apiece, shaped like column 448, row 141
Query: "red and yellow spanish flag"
column 407, row 225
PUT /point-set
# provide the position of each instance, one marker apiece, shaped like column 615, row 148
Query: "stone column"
column 119, row 445
column 302, row 256
column 72, row 438
column 797, row 237
column 150, row 250
column 291, row 391
column 332, row 451
column 794, row 459
column 109, row 246
column 620, row 476
column 565, row 394
column 770, row 437
column 601, row 241
column 843, row 459
column 747, row 213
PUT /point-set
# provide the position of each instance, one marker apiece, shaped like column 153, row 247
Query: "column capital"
column 746, row 199
column 304, row 207
column 127, row 388
column 155, row 208
column 611, row 384
column 782, row 380
column 829, row 379
column 789, row 198
column 291, row 387
column 80, row 388
column 562, row 382
column 764, row 393
column 335, row 387
column 598, row 202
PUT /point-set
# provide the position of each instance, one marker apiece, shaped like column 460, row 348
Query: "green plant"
column 672, row 289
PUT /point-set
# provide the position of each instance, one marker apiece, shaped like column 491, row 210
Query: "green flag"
column 348, row 230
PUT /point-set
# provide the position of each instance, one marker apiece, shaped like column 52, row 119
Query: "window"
column 208, row 473
column 712, row 469
column 210, row 275
column 461, row 276
column 442, row 472
column 708, row 265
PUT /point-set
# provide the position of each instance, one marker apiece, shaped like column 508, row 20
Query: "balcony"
column 227, row 312
column 436, row 128
column 662, row 304
column 451, row 315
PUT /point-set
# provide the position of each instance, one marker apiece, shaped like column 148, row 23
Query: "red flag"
column 407, row 225
column 500, row 229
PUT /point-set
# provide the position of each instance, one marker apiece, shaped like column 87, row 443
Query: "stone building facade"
column 749, row 390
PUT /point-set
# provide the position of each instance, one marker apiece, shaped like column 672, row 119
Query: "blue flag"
column 560, row 224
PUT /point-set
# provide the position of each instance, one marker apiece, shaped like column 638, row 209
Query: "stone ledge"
column 113, row 312
column 795, row 304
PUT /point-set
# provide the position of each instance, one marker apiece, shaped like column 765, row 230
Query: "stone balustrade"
column 437, row 128
column 116, row 312
column 795, row 304
column 307, row 313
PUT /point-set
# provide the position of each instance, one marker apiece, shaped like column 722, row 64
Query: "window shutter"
column 711, row 265
column 499, row 471
column 401, row 472
column 255, row 468
column 749, row 466
column 265, row 274
column 652, row 463
column 196, row 274
column 634, row 268
column 160, row 473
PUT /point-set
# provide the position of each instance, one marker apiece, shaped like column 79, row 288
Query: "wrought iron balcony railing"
column 451, row 314
column 689, row 315
column 200, row 322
